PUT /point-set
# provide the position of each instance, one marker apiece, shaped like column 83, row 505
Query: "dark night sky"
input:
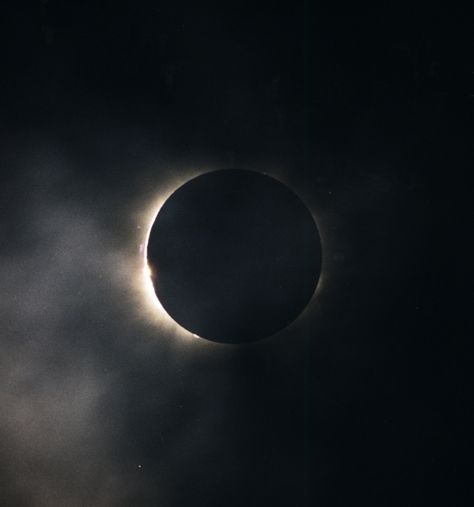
column 366, row 113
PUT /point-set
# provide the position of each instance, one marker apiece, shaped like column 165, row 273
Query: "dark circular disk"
column 236, row 256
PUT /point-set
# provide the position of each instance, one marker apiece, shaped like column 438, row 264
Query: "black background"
column 366, row 113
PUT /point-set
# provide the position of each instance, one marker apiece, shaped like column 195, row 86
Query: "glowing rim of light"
column 155, row 310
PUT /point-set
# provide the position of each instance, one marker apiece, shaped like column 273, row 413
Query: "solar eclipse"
column 234, row 256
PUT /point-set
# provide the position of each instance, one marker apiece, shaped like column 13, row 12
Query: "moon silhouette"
column 235, row 256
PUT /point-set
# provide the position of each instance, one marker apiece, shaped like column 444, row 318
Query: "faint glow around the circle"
column 151, row 305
